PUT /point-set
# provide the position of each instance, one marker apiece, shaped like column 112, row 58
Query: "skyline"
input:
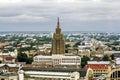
column 75, row 15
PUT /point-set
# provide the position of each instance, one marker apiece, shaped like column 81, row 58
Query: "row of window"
column 100, row 71
column 58, row 61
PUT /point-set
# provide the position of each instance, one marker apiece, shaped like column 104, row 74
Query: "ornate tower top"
column 58, row 25
column 58, row 41
column 58, row 29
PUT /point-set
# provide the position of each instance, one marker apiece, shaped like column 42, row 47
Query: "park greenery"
column 22, row 57
column 84, row 60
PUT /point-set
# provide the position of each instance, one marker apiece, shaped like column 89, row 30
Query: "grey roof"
column 98, row 62
column 10, row 65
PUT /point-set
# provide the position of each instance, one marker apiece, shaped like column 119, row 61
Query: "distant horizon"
column 64, row 31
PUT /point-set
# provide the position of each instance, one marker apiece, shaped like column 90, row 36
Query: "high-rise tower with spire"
column 58, row 41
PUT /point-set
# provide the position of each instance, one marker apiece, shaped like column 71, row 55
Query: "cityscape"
column 59, row 56
column 59, row 40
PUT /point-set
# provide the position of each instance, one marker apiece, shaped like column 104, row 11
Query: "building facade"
column 57, row 60
column 115, row 53
column 114, row 74
column 10, row 67
column 40, row 75
column 58, row 41
column 11, row 72
column 99, row 67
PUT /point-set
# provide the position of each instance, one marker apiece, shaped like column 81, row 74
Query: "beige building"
column 58, row 41
column 89, row 74
column 9, row 77
column 10, row 67
column 72, row 51
column 114, row 74
column 115, row 53
column 99, row 67
column 11, row 72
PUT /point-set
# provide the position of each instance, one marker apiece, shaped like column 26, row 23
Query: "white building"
column 13, row 54
column 54, row 75
column 98, row 62
column 57, row 60
column 115, row 53
column 111, row 52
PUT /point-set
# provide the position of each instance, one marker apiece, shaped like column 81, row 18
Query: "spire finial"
column 58, row 24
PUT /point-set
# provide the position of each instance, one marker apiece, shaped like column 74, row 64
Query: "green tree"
column 105, row 58
column 66, row 51
column 76, row 44
column 84, row 61
column 115, row 43
column 83, row 44
column 22, row 57
column 112, row 57
column 0, row 61
column 67, row 45
column 29, row 60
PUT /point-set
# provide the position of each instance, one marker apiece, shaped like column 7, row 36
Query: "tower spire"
column 58, row 24
column 58, row 29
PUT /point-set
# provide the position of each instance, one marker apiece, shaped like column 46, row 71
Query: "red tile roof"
column 97, row 66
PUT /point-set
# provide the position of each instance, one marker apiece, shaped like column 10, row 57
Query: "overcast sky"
column 75, row 15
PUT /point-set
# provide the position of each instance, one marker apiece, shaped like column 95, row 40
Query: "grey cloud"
column 74, row 11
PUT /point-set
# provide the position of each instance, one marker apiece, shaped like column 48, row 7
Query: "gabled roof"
column 10, row 65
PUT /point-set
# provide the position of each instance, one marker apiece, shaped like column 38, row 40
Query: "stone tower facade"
column 58, row 41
